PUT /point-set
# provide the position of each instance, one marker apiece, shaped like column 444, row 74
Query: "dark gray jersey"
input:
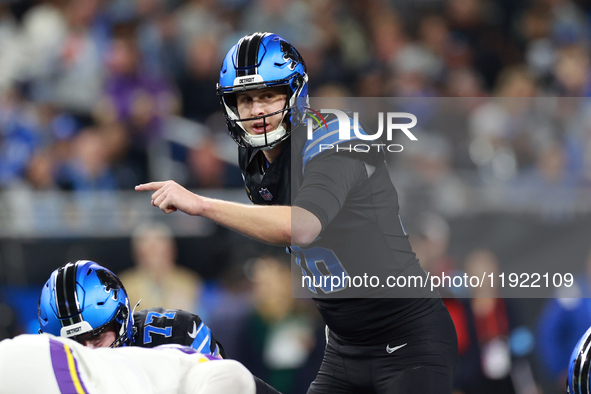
column 362, row 235
column 266, row 183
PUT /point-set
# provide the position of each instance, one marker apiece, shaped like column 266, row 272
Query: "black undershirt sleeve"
column 263, row 388
column 327, row 183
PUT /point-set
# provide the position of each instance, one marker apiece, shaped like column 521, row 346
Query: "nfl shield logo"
column 266, row 194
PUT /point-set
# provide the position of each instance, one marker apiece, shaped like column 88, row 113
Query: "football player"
column 86, row 302
column 337, row 209
column 45, row 364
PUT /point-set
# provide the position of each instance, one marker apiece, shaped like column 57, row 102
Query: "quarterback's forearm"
column 269, row 224
column 266, row 223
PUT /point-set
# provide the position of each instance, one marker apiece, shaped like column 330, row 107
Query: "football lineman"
column 86, row 302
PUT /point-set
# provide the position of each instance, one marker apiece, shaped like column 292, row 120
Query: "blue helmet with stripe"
column 82, row 298
column 578, row 381
column 259, row 61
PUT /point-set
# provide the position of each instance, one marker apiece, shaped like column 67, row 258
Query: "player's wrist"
column 204, row 206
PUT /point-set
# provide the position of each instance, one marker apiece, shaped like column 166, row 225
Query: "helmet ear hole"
column 297, row 83
column 230, row 99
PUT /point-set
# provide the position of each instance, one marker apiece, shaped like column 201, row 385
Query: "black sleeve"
column 327, row 184
column 263, row 388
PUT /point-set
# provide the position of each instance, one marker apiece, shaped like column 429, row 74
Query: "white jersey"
column 46, row 364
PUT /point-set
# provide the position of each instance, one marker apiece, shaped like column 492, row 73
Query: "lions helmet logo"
column 291, row 55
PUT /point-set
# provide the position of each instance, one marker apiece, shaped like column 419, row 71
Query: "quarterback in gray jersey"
column 340, row 217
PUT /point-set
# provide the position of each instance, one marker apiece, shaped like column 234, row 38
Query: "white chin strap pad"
column 257, row 140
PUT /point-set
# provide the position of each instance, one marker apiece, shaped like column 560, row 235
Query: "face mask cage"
column 121, row 325
column 122, row 318
column 267, row 140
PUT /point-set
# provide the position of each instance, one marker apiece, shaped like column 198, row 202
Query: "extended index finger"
column 149, row 186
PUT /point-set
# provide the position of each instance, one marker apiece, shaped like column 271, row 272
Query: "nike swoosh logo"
column 393, row 349
column 194, row 333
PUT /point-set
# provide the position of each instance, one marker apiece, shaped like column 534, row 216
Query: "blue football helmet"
column 578, row 381
column 83, row 298
column 259, row 61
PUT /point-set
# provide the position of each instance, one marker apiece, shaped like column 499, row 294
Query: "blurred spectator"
column 157, row 279
column 208, row 170
column 336, row 48
column 464, row 82
column 498, row 338
column 430, row 241
column 62, row 56
column 514, row 81
column 551, row 184
column 40, row 171
column 127, row 171
column 503, row 129
column 428, row 182
column 87, row 172
column 370, row 82
column 141, row 99
column 199, row 18
column 283, row 17
column 572, row 71
column 198, row 82
column 280, row 340
column 156, row 36
column 386, row 33
column 89, row 167
column 10, row 53
column 562, row 323
column 434, row 34
column 18, row 137
column 489, row 48
column 36, row 202
column 333, row 90
column 539, row 51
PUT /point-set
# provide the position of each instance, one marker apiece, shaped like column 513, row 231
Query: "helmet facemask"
column 120, row 324
column 122, row 321
column 269, row 138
